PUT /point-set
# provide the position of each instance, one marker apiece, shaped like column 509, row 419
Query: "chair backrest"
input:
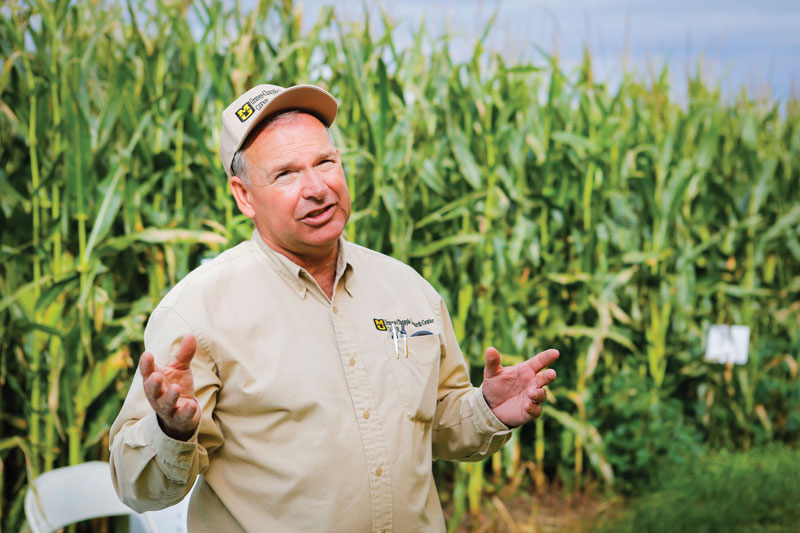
column 75, row 493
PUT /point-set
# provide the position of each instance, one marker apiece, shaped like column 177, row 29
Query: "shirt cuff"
column 485, row 416
column 174, row 457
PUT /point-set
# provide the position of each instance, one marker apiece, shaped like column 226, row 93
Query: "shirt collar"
column 295, row 276
column 344, row 265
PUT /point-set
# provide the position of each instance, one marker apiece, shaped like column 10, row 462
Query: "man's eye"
column 326, row 162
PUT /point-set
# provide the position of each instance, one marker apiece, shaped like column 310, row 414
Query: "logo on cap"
column 245, row 112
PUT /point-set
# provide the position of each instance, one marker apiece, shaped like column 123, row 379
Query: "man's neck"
column 322, row 266
column 323, row 269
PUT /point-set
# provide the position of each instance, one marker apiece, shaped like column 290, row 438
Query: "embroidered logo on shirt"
column 382, row 324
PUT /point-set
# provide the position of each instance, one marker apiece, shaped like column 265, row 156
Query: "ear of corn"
column 549, row 209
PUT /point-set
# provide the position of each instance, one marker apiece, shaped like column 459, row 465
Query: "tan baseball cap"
column 239, row 118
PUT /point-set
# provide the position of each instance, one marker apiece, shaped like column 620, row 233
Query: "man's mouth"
column 319, row 215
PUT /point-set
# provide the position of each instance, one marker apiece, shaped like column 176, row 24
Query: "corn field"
column 549, row 209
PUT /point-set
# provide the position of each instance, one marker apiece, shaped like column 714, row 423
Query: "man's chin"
column 330, row 231
column 323, row 239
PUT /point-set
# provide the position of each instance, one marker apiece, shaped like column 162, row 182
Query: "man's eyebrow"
column 291, row 164
column 327, row 154
column 280, row 168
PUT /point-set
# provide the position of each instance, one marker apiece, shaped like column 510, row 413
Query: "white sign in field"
column 727, row 344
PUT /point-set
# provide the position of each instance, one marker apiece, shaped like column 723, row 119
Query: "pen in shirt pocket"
column 405, row 338
column 395, row 334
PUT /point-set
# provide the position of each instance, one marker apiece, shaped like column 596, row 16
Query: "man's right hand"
column 170, row 390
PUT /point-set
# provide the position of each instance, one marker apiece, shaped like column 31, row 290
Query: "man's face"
column 298, row 196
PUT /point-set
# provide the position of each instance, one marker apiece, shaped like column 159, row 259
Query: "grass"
column 738, row 492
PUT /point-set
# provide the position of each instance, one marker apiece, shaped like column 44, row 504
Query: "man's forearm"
column 465, row 429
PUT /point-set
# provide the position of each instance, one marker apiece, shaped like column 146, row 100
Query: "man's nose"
column 314, row 185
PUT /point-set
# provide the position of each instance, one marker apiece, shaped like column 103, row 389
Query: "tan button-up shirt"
column 315, row 417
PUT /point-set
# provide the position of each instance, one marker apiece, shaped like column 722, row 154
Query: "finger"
column 534, row 410
column 169, row 400
column 147, row 365
column 545, row 377
column 186, row 412
column 538, row 395
column 492, row 365
column 541, row 360
column 152, row 388
column 183, row 358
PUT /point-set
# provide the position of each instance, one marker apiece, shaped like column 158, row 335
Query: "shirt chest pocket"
column 416, row 374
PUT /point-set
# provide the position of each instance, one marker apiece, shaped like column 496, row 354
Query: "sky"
column 755, row 45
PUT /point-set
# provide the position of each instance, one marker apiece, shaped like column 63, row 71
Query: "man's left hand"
column 515, row 393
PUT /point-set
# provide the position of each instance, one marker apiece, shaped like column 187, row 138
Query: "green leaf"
column 166, row 236
column 17, row 294
column 578, row 142
column 466, row 161
column 101, row 375
column 425, row 250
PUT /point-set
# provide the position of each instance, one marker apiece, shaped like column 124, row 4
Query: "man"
column 309, row 380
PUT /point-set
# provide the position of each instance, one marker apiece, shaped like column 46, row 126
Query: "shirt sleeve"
column 464, row 427
column 149, row 469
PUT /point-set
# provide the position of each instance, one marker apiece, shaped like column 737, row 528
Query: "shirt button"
column 352, row 361
column 378, row 472
column 366, row 415
column 335, row 310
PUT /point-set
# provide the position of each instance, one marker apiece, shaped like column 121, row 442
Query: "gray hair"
column 239, row 166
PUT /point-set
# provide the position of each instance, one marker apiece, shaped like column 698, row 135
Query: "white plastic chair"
column 75, row 493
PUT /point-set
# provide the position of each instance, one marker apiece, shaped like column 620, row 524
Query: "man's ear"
column 241, row 193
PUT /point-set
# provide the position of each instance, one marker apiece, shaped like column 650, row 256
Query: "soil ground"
column 550, row 512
